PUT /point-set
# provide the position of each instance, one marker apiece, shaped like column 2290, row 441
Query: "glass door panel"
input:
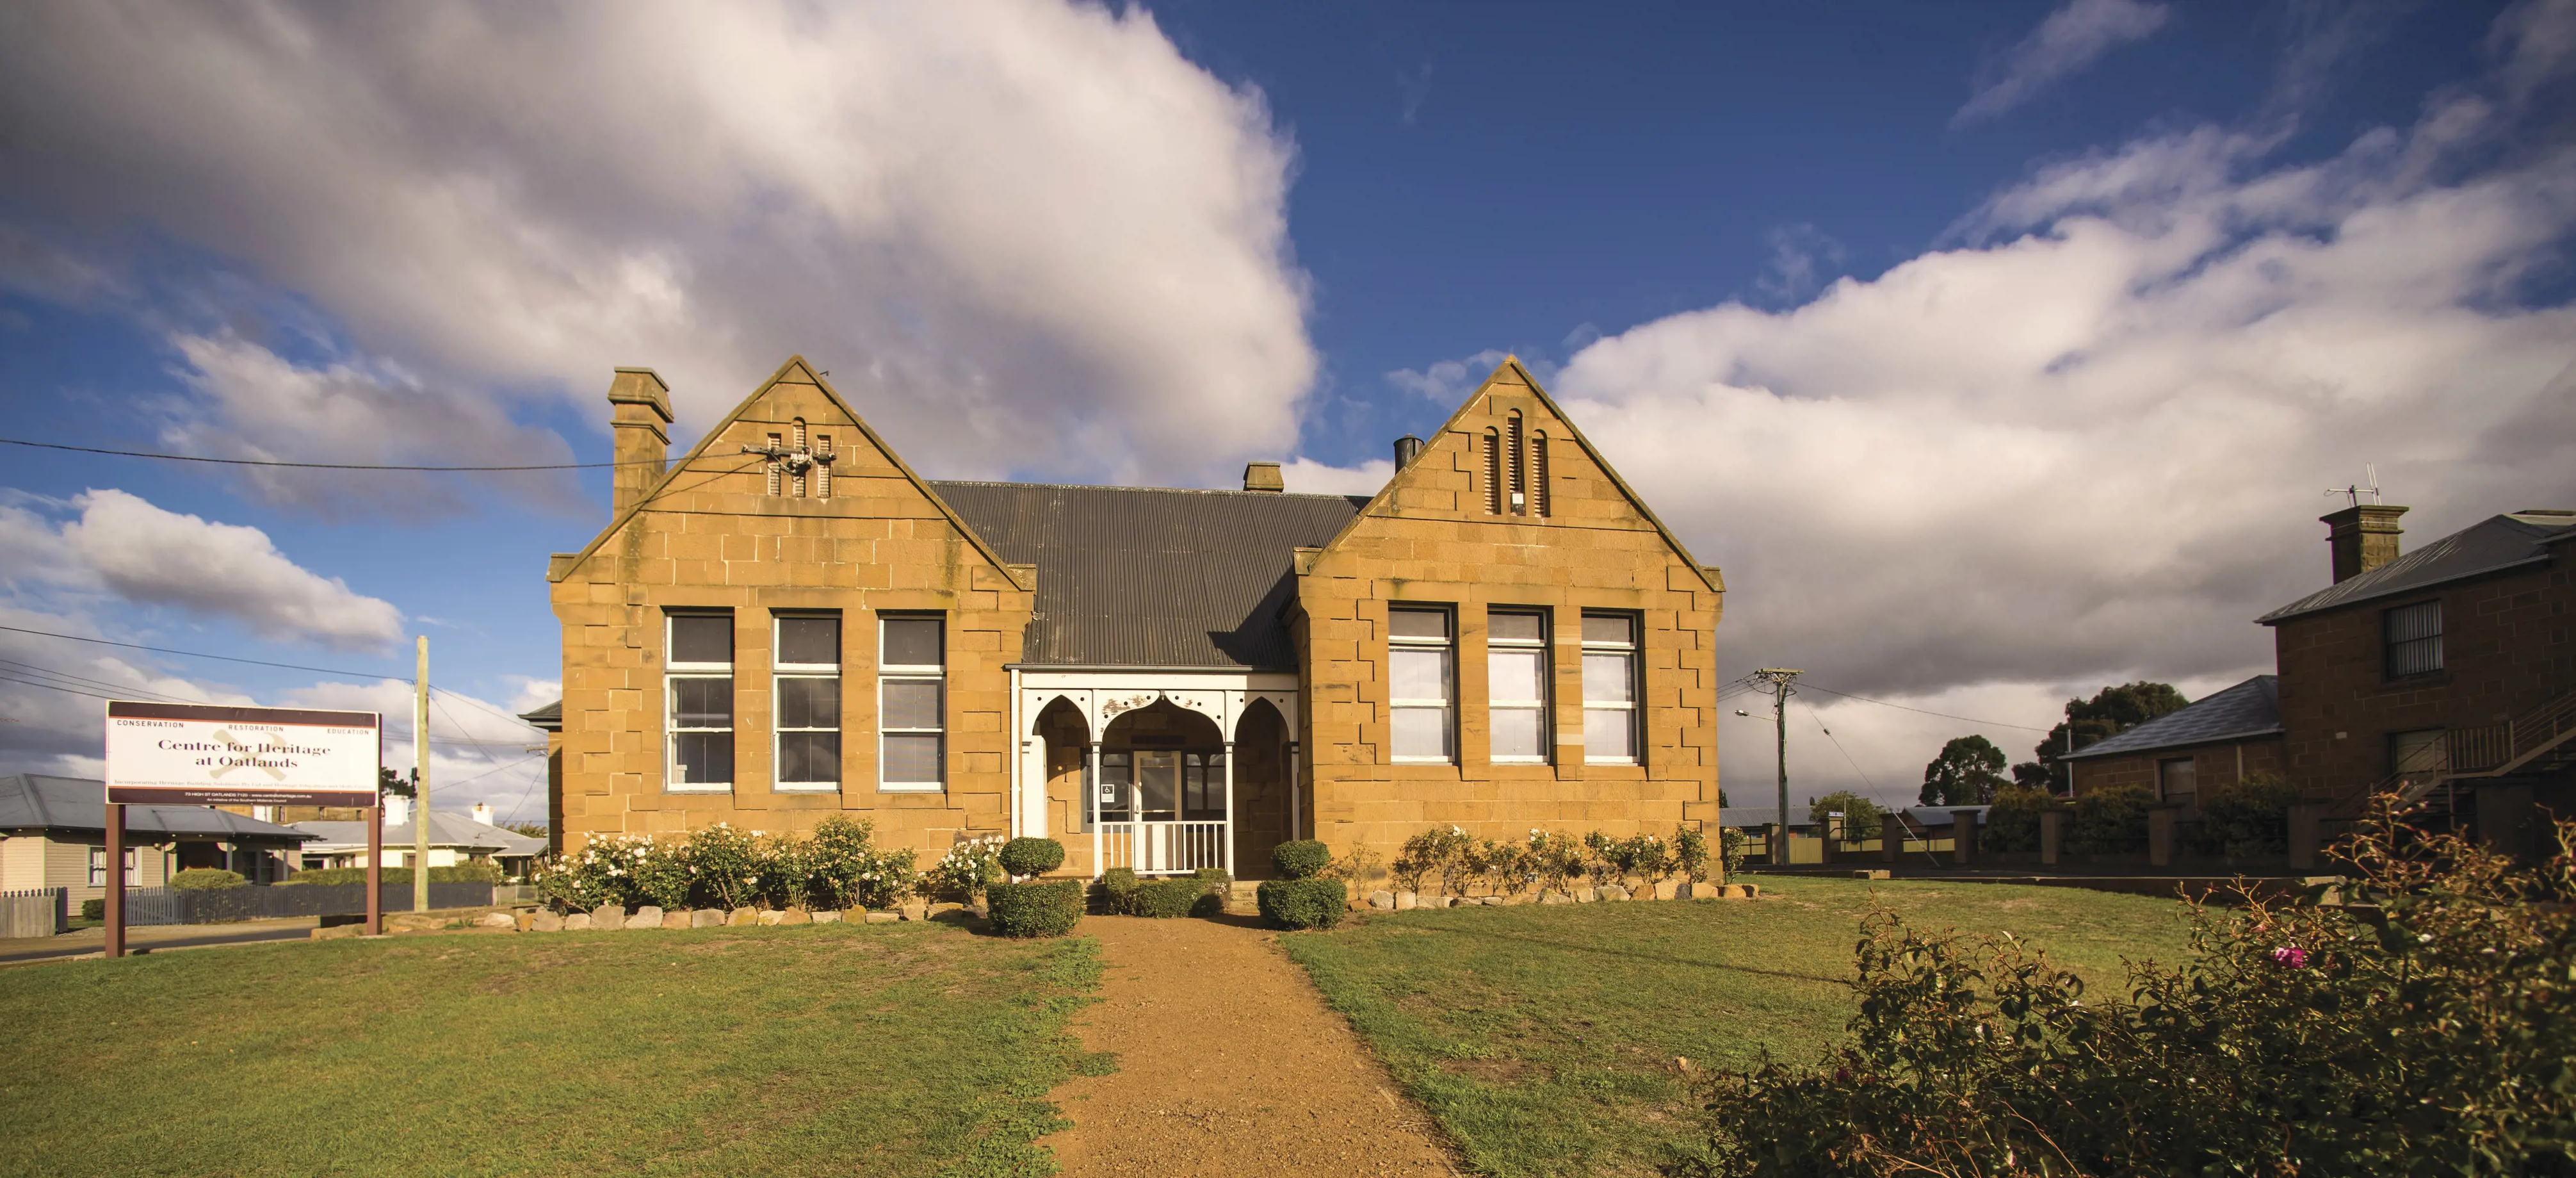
column 1158, row 784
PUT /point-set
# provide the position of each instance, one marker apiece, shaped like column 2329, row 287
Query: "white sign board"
column 198, row 754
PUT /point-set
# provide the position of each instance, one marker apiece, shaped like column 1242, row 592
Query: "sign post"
column 208, row 755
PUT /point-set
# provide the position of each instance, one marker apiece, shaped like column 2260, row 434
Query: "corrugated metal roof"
column 33, row 801
column 1145, row 577
column 2493, row 544
column 2251, row 708
column 549, row 718
column 445, row 830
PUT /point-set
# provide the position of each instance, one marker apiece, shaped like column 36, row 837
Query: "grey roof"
column 445, row 830
column 549, row 717
column 1749, row 816
column 2251, row 708
column 34, row 801
column 2491, row 545
column 1143, row 577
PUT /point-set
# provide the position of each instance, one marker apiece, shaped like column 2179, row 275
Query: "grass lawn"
column 1543, row 1038
column 879, row 1049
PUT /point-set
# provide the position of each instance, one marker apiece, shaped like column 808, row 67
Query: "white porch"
column 1160, row 771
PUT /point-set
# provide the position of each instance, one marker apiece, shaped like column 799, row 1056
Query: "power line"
column 315, row 465
column 199, row 654
column 1838, row 745
column 1944, row 715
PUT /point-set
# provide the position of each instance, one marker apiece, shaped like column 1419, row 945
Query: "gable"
column 1510, row 455
column 866, row 478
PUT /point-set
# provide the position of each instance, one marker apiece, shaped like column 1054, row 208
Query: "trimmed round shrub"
column 1118, row 891
column 1303, row 903
column 1032, row 856
column 94, row 909
column 1168, row 897
column 1037, row 908
column 206, row 879
column 1301, row 859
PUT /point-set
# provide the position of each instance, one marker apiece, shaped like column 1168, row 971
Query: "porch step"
column 1243, row 898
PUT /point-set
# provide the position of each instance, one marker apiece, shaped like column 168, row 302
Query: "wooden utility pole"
column 420, row 782
column 1779, row 679
column 114, row 909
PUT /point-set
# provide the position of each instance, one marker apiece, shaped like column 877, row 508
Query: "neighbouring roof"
column 2491, row 545
column 1739, row 817
column 1143, row 577
column 445, row 830
column 2251, row 708
column 34, row 801
column 548, row 718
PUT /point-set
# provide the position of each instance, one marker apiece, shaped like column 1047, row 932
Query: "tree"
column 396, row 785
column 534, row 830
column 1861, row 816
column 2111, row 711
column 1967, row 773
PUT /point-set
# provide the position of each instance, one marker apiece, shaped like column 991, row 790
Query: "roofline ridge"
column 1125, row 487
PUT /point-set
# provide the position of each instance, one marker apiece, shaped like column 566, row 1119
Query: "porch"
column 1163, row 773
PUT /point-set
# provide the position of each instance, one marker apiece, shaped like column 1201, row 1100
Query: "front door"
column 1158, row 784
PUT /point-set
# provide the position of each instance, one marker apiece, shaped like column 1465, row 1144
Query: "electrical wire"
column 1838, row 745
column 317, row 465
column 1902, row 708
column 198, row 654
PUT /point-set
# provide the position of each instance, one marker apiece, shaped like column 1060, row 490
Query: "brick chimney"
column 639, row 406
column 1263, row 476
column 2363, row 537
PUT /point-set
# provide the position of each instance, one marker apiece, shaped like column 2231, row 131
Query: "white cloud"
column 1000, row 223
column 2072, row 38
column 1447, row 382
column 2087, row 443
column 150, row 556
column 1306, row 476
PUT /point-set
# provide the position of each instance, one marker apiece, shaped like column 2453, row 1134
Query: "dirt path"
column 1228, row 1063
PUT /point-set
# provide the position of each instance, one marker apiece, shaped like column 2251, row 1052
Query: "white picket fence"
column 1163, row 848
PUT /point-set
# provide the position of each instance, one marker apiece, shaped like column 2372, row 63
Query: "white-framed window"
column 1421, row 684
column 1610, row 689
column 1516, row 686
column 698, row 689
column 2178, row 780
column 806, row 702
column 98, row 867
column 912, row 703
column 2414, row 639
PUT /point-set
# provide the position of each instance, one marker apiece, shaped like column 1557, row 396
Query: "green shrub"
column 1168, row 897
column 2407, row 1033
column 968, row 866
column 847, row 870
column 1301, row 858
column 323, row 877
column 1118, row 891
column 1730, row 848
column 1025, row 857
column 1690, row 853
column 2111, row 821
column 1036, row 908
column 2250, row 816
column 206, row 879
column 94, row 909
column 2012, row 824
column 1303, row 903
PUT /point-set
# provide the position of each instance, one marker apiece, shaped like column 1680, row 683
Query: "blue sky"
column 1996, row 351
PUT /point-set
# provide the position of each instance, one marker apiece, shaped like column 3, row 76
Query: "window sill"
column 1517, row 760
column 807, row 787
column 1630, row 762
column 1423, row 761
column 698, row 789
column 911, row 789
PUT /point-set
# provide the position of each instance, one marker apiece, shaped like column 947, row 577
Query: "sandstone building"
column 787, row 622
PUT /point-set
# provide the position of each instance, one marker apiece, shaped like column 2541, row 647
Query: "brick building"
column 2446, row 675
column 787, row 622
column 2214, row 742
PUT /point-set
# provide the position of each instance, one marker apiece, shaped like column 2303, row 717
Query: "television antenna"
column 2369, row 485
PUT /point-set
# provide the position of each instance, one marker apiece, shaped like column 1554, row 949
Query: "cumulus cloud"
column 1309, row 477
column 2072, row 38
column 141, row 553
column 998, row 223
column 1447, row 382
column 2086, row 441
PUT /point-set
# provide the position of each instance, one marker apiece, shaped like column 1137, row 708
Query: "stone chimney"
column 1405, row 448
column 2363, row 537
column 1263, row 476
column 639, row 406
